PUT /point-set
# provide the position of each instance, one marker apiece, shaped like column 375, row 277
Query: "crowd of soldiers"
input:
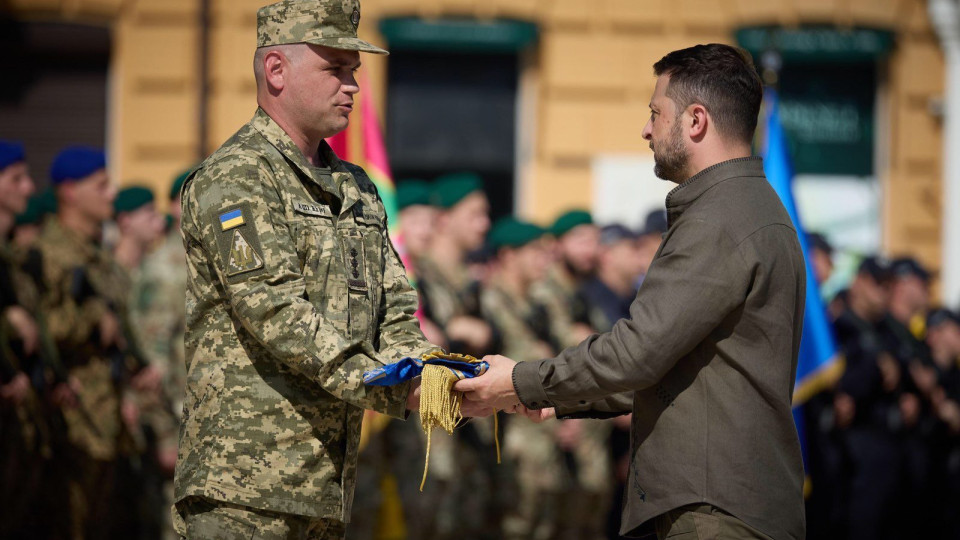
column 92, row 371
column 92, row 284
column 883, row 436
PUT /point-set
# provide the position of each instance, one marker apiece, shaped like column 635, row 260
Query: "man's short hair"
column 722, row 79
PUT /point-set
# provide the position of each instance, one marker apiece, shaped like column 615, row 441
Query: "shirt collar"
column 689, row 191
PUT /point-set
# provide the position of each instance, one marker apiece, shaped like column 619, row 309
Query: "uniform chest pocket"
column 317, row 251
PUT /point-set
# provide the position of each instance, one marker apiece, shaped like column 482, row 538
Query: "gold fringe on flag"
column 440, row 404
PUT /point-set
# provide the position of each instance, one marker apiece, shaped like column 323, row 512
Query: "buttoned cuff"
column 528, row 385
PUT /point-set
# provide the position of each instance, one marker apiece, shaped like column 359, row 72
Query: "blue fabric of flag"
column 409, row 368
column 818, row 359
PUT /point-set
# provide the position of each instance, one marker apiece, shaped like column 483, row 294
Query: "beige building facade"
column 180, row 82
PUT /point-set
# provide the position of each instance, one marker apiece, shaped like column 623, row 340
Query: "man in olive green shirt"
column 710, row 348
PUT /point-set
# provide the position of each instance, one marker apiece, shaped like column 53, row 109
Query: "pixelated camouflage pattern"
column 213, row 520
column 332, row 23
column 94, row 426
column 276, row 354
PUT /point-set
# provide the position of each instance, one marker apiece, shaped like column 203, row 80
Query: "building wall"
column 592, row 81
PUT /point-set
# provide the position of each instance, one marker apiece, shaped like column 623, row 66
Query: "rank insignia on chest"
column 230, row 220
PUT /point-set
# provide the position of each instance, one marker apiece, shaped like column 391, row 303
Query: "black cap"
column 908, row 266
column 819, row 241
column 656, row 223
column 876, row 267
column 940, row 316
column 611, row 234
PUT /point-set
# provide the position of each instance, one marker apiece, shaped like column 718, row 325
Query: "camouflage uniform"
column 82, row 283
column 24, row 433
column 294, row 291
column 541, row 473
column 587, row 511
column 159, row 314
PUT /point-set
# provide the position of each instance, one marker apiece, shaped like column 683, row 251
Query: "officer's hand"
column 569, row 434
column 889, row 372
column 64, row 395
column 147, row 379
column 910, row 409
column 413, row 397
column 844, row 409
column 476, row 333
column 25, row 327
column 537, row 416
column 17, row 390
column 949, row 413
column 109, row 329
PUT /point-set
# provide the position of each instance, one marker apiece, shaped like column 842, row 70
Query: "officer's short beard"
column 671, row 157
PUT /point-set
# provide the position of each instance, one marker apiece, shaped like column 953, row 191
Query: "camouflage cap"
column 331, row 23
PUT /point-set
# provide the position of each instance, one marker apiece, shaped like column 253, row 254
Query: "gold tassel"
column 440, row 407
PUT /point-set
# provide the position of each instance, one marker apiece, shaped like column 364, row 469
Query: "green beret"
column 132, row 198
column 178, row 183
column 511, row 232
column 569, row 221
column 38, row 206
column 450, row 189
column 412, row 192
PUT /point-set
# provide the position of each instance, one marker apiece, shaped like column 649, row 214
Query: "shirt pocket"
column 318, row 253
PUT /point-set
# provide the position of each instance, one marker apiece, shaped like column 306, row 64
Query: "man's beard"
column 670, row 157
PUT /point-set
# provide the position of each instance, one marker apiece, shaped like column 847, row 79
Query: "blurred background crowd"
column 544, row 242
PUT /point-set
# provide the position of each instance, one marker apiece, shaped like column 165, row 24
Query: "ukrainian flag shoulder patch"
column 231, row 219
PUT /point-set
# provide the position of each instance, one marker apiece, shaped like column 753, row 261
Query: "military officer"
column 541, row 475
column 294, row 290
column 84, row 307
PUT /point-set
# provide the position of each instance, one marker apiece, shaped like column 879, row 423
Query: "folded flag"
column 439, row 402
column 409, row 368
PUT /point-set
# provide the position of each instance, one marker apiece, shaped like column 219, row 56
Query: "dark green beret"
column 38, row 206
column 411, row 193
column 178, row 183
column 570, row 220
column 510, row 232
column 131, row 198
column 450, row 189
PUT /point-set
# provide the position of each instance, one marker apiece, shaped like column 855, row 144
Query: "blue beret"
column 10, row 153
column 75, row 163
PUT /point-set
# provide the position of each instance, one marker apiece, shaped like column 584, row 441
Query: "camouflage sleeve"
column 269, row 301
column 519, row 342
column 400, row 334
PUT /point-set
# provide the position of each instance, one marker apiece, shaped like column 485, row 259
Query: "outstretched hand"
column 492, row 390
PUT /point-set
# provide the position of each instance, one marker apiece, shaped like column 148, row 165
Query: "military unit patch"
column 355, row 17
column 242, row 257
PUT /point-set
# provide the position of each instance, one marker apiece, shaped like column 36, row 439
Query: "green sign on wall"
column 827, row 85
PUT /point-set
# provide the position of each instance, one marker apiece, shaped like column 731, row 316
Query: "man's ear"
column 275, row 67
column 696, row 120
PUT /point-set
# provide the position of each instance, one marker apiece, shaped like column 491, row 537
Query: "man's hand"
column 148, row 380
column 25, row 327
column 494, row 389
column 413, row 397
column 16, row 390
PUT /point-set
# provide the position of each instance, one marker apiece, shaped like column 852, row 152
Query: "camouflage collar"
column 275, row 135
column 337, row 182
column 62, row 236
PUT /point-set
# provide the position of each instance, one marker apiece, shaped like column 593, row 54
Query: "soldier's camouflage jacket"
column 82, row 282
column 294, row 291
